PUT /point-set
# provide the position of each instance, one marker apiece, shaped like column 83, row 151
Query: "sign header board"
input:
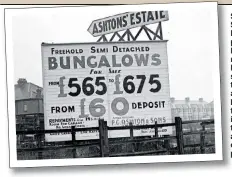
column 125, row 21
column 120, row 82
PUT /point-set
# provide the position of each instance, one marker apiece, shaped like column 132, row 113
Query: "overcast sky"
column 192, row 44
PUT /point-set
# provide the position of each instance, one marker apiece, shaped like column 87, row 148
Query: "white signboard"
column 126, row 21
column 119, row 82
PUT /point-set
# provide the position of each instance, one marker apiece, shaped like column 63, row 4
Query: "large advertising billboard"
column 120, row 82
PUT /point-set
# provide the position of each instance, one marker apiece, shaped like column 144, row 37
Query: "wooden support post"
column 38, row 138
column 103, row 37
column 156, row 135
column 128, row 35
column 131, row 136
column 101, row 136
column 202, row 139
column 106, row 140
column 161, row 30
column 146, row 31
column 179, row 135
column 73, row 141
column 156, row 130
column 138, row 33
column 131, row 130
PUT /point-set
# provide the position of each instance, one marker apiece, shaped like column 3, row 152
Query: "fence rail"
column 104, row 142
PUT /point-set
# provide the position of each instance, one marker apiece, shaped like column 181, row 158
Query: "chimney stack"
column 172, row 99
column 22, row 82
column 187, row 99
column 38, row 93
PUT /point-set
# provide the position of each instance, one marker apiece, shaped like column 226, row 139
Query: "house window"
column 25, row 108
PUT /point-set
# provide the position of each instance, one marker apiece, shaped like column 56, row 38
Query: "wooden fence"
column 104, row 142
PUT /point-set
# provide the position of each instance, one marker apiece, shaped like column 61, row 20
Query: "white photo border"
column 106, row 160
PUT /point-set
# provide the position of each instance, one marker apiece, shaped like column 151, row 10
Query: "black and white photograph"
column 113, row 84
